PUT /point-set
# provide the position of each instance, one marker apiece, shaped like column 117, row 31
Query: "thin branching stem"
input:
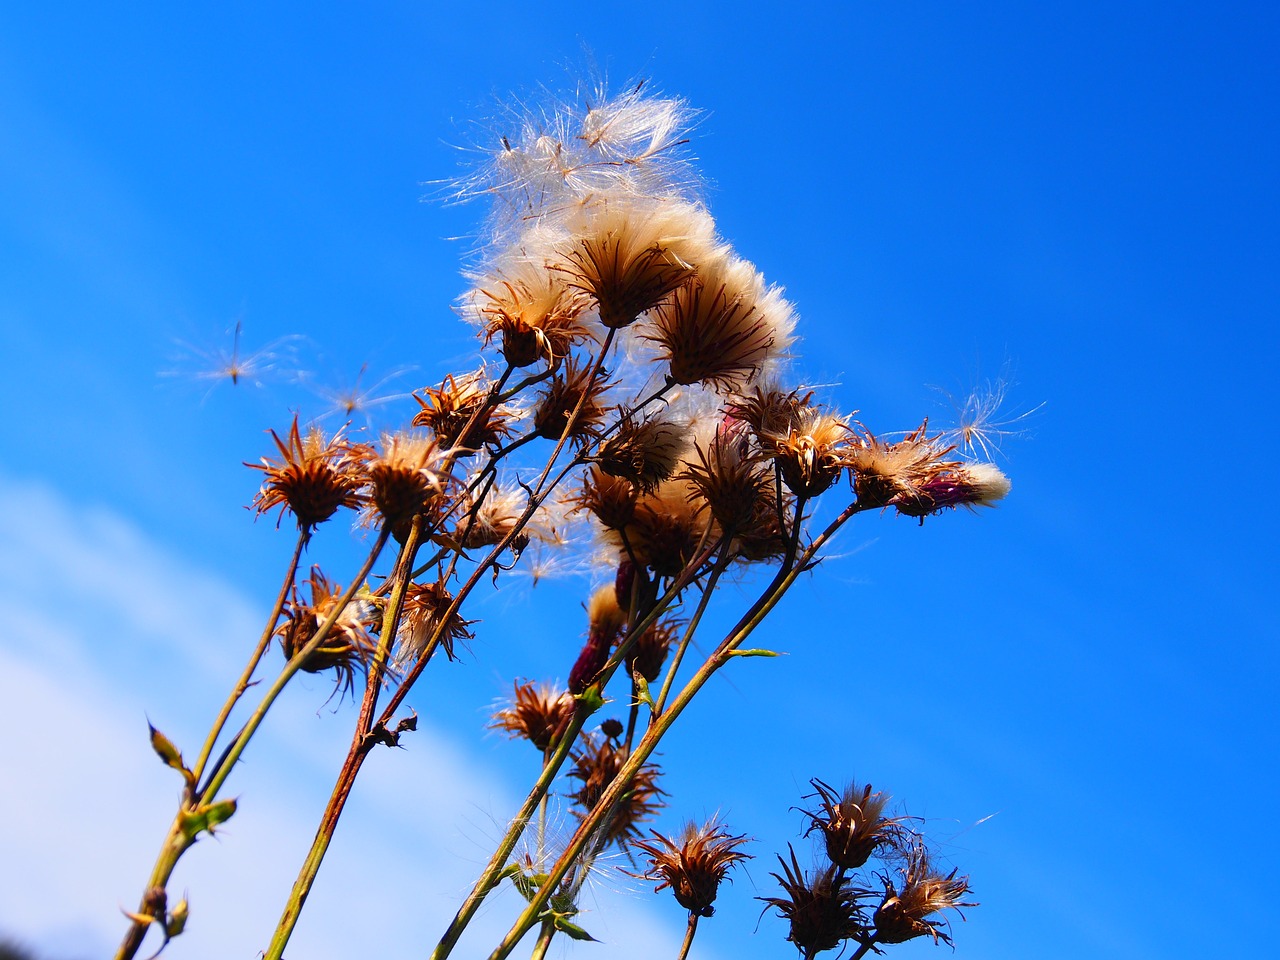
column 361, row 744
column 721, row 563
column 690, row 930
column 255, row 658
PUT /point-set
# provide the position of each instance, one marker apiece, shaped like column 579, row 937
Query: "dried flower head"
column 535, row 713
column 903, row 913
column 596, row 765
column 460, row 401
column 313, row 477
column 720, row 327
column 646, row 452
column 728, row 477
column 493, row 519
column 649, row 651
column 606, row 621
column 852, row 823
column 534, row 313
column 426, row 606
column 694, row 867
column 963, row 485
column 348, row 644
column 665, row 530
column 629, row 255
column 823, row 909
column 764, row 537
column 405, row 478
column 809, row 451
column 612, row 500
column 768, row 410
column 571, row 389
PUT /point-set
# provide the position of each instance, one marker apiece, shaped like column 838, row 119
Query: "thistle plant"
column 631, row 398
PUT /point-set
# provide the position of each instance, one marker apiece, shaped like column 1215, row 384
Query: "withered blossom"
column 823, row 909
column 460, row 401
column 694, row 867
column 425, row 604
column 535, row 713
column 646, row 452
column 348, row 645
column 606, row 621
column 572, row 388
column 532, row 310
column 649, row 651
column 727, row 475
column 596, row 764
column 313, row 478
column 405, row 478
column 628, row 254
column 721, row 326
column 852, row 823
column 665, row 530
column 903, row 913
column 610, row 499
column 809, row 452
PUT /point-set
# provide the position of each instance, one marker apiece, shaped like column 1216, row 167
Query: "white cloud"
column 87, row 802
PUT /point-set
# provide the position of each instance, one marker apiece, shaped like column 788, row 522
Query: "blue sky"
column 1075, row 689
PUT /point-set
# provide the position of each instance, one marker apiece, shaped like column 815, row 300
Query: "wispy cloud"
column 87, row 802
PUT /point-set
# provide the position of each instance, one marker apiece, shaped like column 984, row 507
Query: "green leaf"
column 527, row 884
column 642, row 689
column 177, row 920
column 170, row 754
column 753, row 653
column 205, row 818
column 572, row 930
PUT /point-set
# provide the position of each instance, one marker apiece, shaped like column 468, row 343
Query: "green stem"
column 263, row 642
column 544, row 940
column 786, row 576
column 721, row 563
column 361, row 744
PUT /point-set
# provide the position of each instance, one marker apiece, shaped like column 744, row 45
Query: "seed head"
column 810, row 451
column 313, row 477
column 535, row 713
column 425, row 605
column 852, row 823
column 533, row 312
column 612, row 500
column 650, row 649
column 665, row 529
column 596, row 765
column 823, row 909
column 720, row 327
column 728, row 476
column 628, row 255
column 405, row 479
column 694, row 867
column 572, row 388
column 646, row 452
column 448, row 409
column 490, row 521
column 903, row 913
column 348, row 644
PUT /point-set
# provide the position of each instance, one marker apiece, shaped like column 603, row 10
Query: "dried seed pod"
column 695, row 867
column 852, row 823
column 460, row 401
column 596, row 765
column 823, row 909
column 534, row 313
column 348, row 644
column 646, row 452
column 903, row 914
column 313, row 478
column 535, row 713
column 572, row 388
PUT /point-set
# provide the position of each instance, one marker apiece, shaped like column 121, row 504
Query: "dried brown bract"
column 533, row 311
column 612, row 500
column 627, row 256
column 535, row 713
column 425, row 606
column 460, row 401
column 914, row 476
column 649, row 651
column 405, row 479
column 903, row 913
column 596, row 765
column 665, row 530
column 572, row 388
column 728, row 477
column 348, row 644
column 852, row 823
column 823, row 909
column 721, row 326
column 313, row 478
column 810, row 451
column 646, row 452
column 695, row 867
